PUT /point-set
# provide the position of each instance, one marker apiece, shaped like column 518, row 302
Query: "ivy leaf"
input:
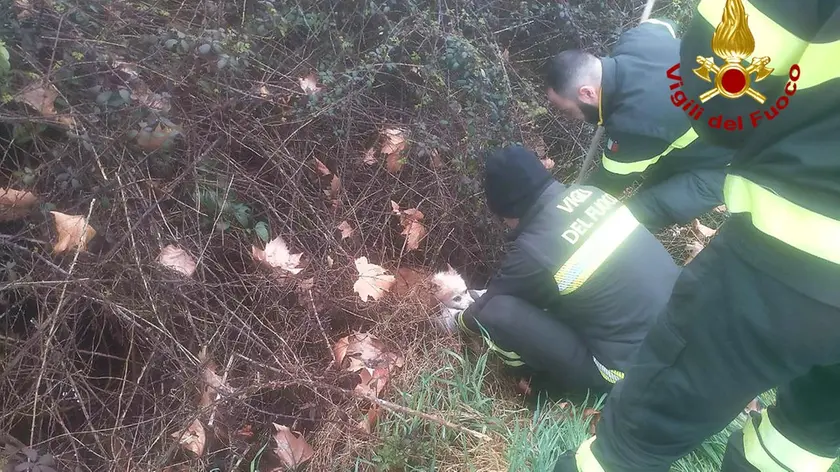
column 261, row 228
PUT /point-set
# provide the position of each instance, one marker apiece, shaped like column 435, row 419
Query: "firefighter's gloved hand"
column 476, row 294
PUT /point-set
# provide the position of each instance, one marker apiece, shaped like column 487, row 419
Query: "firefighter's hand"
column 476, row 294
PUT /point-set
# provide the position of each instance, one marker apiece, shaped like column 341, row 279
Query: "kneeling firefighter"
column 580, row 286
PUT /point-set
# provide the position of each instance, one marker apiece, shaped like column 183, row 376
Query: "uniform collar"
column 608, row 87
column 547, row 196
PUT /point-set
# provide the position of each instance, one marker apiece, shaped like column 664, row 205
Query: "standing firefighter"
column 628, row 93
column 580, row 286
column 760, row 306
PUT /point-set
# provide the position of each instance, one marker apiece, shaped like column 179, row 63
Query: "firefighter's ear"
column 588, row 94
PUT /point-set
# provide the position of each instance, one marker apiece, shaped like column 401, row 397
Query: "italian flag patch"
column 612, row 145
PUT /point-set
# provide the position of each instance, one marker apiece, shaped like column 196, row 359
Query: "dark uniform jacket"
column 795, row 156
column 613, row 310
column 641, row 122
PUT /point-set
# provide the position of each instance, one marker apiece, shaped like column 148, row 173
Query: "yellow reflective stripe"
column 803, row 229
column 610, row 375
column 463, row 324
column 816, row 64
column 662, row 23
column 782, row 47
column 766, row 447
column 509, row 357
column 586, row 461
column 595, row 250
column 624, row 168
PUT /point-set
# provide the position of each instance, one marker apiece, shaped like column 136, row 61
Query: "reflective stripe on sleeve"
column 595, row 250
column 625, row 168
column 816, row 60
column 801, row 228
column 610, row 375
column 586, row 461
column 769, row 451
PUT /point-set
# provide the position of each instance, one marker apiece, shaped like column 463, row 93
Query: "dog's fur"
column 446, row 291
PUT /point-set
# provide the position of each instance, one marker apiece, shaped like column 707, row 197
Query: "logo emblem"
column 612, row 145
column 734, row 43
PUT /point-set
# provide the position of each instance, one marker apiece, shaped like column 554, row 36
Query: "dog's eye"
column 456, row 299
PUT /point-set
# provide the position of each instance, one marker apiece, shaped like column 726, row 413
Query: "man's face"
column 577, row 109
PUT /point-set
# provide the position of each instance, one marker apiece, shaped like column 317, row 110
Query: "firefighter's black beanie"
column 513, row 180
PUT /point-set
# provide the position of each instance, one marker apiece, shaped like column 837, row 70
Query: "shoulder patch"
column 612, row 145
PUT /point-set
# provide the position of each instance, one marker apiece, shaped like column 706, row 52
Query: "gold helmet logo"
column 734, row 43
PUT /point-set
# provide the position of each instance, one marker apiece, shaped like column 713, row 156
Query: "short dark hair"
column 568, row 70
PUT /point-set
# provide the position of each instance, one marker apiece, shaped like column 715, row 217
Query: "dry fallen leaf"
column 346, row 229
column 365, row 354
column 193, row 439
column 437, row 163
column 69, row 230
column 373, row 280
column 369, row 157
column 246, row 432
column 335, row 182
column 177, row 259
column 720, row 209
column 291, row 448
column 335, row 187
column 330, row 261
column 41, row 96
column 369, row 422
column 692, row 249
column 277, row 255
column 373, row 381
column 413, row 230
column 547, row 163
column 213, row 383
column 15, row 204
column 506, row 54
column 368, row 350
column 154, row 139
column 393, row 145
column 595, row 415
column 321, row 167
column 702, row 229
column 309, row 84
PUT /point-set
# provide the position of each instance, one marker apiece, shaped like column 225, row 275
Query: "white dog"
column 454, row 297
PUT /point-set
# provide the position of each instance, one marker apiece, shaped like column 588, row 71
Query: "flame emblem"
column 734, row 43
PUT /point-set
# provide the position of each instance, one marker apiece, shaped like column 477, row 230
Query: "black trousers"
column 678, row 199
column 729, row 333
column 555, row 356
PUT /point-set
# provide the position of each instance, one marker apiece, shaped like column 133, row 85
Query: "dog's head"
column 452, row 294
column 451, row 290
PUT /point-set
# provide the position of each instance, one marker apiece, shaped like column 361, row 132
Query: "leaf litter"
column 373, row 282
column 413, row 230
column 72, row 231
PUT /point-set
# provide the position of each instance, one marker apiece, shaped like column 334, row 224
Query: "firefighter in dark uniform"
column 760, row 306
column 580, row 286
column 628, row 94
